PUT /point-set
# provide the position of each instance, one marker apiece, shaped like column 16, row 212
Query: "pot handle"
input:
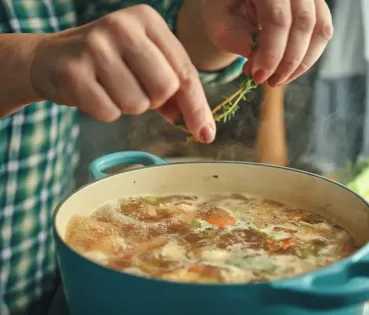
column 98, row 166
column 341, row 285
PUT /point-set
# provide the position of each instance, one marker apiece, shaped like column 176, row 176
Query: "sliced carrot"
column 195, row 268
column 128, row 255
column 277, row 245
column 288, row 242
column 221, row 221
column 346, row 249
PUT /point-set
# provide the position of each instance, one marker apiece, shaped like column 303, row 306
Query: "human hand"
column 123, row 63
column 292, row 34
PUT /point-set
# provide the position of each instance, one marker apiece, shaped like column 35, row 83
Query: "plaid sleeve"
column 91, row 10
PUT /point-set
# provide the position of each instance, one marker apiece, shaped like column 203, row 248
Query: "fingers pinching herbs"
column 275, row 20
column 190, row 97
column 294, row 34
column 303, row 23
column 192, row 102
column 127, row 62
column 322, row 33
column 145, row 65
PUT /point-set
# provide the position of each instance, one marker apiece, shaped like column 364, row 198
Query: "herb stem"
column 228, row 107
column 232, row 108
column 226, row 101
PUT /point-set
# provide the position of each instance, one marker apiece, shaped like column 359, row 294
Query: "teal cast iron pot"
column 96, row 290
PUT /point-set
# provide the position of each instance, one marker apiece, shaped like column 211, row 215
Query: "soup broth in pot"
column 219, row 238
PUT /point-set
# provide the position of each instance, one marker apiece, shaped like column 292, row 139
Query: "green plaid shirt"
column 39, row 154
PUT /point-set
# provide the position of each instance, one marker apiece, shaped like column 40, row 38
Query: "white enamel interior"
column 325, row 197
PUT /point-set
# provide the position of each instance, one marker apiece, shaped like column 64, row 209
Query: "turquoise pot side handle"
column 341, row 285
column 101, row 164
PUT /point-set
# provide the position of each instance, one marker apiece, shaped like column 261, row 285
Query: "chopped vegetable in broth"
column 223, row 238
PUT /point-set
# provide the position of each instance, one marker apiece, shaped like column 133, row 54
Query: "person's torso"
column 37, row 160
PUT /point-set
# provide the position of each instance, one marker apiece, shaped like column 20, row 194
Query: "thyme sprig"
column 227, row 109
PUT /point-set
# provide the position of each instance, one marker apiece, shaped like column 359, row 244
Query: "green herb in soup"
column 228, row 238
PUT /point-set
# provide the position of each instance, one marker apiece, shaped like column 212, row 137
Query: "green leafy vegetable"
column 200, row 224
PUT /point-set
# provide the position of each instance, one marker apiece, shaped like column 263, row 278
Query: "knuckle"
column 127, row 33
column 304, row 20
column 92, row 40
column 303, row 67
column 112, row 20
column 132, row 44
column 147, row 11
column 99, row 48
column 70, row 74
column 325, row 31
column 291, row 62
column 188, row 74
column 197, row 111
column 166, row 90
column 271, row 58
column 121, row 24
column 279, row 16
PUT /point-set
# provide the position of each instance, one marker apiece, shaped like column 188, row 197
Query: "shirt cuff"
column 225, row 75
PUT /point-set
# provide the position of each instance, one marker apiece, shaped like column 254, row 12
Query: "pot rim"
column 308, row 276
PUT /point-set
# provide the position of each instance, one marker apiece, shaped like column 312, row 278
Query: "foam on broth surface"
column 222, row 238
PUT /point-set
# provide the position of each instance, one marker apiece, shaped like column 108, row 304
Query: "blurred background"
column 319, row 123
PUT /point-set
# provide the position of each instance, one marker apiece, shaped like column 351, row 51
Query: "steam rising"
column 234, row 140
column 341, row 130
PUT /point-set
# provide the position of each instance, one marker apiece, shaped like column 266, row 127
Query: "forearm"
column 273, row 103
column 191, row 31
column 271, row 137
column 16, row 55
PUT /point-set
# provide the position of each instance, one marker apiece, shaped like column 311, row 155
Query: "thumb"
column 237, row 27
column 237, row 37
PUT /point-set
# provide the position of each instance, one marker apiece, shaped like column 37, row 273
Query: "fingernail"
column 275, row 80
column 207, row 134
column 259, row 76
